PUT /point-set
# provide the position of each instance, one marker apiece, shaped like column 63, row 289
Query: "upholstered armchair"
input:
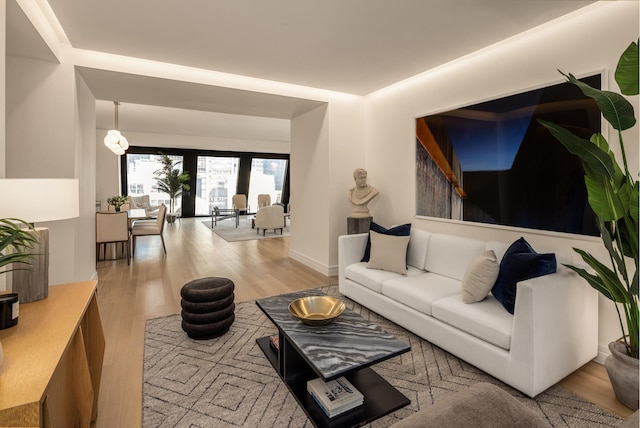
column 271, row 217
column 264, row 200
column 239, row 202
column 143, row 202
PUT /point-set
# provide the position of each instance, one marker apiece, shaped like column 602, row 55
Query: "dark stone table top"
column 347, row 344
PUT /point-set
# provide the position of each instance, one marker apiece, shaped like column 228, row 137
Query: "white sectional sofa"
column 553, row 331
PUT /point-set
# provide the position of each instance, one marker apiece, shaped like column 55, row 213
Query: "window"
column 215, row 177
column 216, row 182
column 141, row 178
column 267, row 176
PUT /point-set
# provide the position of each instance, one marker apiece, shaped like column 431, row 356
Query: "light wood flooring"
column 128, row 295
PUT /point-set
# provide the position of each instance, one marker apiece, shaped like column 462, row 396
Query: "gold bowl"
column 316, row 310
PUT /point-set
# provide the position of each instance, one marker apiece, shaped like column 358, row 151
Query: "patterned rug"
column 228, row 382
column 227, row 230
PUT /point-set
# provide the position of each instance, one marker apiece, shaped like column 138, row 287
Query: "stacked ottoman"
column 207, row 307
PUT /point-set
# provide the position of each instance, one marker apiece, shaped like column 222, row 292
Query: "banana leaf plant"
column 613, row 197
column 17, row 237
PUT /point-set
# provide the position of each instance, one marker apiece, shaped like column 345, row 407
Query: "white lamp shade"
column 39, row 199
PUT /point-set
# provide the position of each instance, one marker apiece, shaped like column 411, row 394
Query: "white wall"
column 42, row 133
column 588, row 42
column 85, row 167
column 327, row 144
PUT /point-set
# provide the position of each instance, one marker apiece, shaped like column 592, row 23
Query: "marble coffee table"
column 346, row 347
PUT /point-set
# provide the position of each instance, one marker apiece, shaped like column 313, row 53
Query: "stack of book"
column 335, row 397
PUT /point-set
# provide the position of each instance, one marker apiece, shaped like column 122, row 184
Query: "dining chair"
column 112, row 228
column 149, row 228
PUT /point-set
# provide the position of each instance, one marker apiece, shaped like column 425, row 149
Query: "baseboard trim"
column 313, row 264
column 603, row 352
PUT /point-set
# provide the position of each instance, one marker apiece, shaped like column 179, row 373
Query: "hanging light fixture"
column 114, row 140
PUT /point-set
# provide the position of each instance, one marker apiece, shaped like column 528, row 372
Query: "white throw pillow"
column 388, row 252
column 480, row 277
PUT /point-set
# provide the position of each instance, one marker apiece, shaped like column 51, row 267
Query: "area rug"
column 228, row 382
column 227, row 230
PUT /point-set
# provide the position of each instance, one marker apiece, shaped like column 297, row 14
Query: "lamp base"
column 32, row 283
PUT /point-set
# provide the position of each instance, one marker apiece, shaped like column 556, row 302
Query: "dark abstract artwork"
column 494, row 163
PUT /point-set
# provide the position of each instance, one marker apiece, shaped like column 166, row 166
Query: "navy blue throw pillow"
column 520, row 262
column 402, row 230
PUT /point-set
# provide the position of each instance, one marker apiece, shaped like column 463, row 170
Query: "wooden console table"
column 52, row 365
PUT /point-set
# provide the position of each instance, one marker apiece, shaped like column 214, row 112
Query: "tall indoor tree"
column 171, row 180
column 613, row 196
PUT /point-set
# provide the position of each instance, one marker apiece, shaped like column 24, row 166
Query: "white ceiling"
column 351, row 46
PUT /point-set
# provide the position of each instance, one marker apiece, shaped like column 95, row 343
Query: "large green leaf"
column 627, row 75
column 607, row 240
column 609, row 200
column 614, row 107
column 592, row 155
column 608, row 282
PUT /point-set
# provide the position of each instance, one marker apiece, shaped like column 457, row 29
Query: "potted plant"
column 118, row 201
column 613, row 196
column 172, row 181
column 17, row 237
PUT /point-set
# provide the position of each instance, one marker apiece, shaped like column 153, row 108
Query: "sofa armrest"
column 350, row 250
column 555, row 329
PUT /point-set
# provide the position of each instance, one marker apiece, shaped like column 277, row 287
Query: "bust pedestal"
column 358, row 224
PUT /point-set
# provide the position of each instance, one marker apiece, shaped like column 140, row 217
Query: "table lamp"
column 37, row 200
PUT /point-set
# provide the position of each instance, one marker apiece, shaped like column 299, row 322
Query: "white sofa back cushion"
column 450, row 255
column 417, row 251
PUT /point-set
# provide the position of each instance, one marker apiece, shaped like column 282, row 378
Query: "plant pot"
column 171, row 218
column 117, row 209
column 623, row 374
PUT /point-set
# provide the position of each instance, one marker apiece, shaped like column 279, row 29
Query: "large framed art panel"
column 494, row 163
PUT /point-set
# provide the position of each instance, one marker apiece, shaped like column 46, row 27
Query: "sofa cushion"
column 373, row 278
column 487, row 320
column 480, row 277
column 450, row 255
column 520, row 262
column 388, row 252
column 420, row 291
column 402, row 230
column 417, row 251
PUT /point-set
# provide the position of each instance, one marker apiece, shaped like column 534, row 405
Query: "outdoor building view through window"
column 214, row 179
column 141, row 179
column 216, row 183
column 267, row 177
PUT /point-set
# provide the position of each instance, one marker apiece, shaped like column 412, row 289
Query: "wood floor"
column 128, row 295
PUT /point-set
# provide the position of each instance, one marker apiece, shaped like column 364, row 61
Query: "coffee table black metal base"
column 381, row 398
column 294, row 368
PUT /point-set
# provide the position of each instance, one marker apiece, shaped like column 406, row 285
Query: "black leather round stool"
column 207, row 307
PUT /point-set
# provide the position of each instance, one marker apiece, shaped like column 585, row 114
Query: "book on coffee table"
column 335, row 397
column 274, row 341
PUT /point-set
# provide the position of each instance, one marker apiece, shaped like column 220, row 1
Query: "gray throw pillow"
column 479, row 277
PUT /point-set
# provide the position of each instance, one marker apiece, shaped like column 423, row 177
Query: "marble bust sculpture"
column 361, row 194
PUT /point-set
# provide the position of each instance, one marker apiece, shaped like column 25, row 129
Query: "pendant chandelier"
column 114, row 140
